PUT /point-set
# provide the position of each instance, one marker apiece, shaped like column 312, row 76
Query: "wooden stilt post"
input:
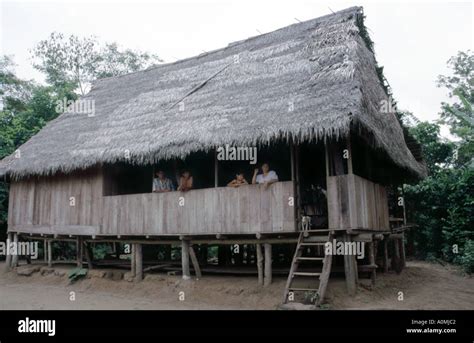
column 396, row 247
column 396, row 263
column 79, row 251
column 268, row 264
column 15, row 256
column 216, row 170
column 402, row 251
column 385, row 254
column 185, row 259
column 195, row 262
column 350, row 269
column 371, row 246
column 50, row 253
column 133, row 260
column 8, row 258
column 139, row 262
column 45, row 250
column 88, row 254
column 259, row 264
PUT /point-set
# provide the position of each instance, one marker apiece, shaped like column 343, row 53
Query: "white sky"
column 413, row 40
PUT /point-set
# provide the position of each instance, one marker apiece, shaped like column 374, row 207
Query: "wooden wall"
column 355, row 203
column 42, row 205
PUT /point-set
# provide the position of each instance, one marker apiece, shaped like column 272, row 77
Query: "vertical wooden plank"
column 402, row 251
column 15, row 256
column 259, row 263
column 350, row 269
column 139, row 262
column 371, row 246
column 195, row 262
column 88, row 254
column 133, row 261
column 349, row 160
column 50, row 253
column 8, row 257
column 268, row 264
column 79, row 251
column 385, row 254
column 185, row 259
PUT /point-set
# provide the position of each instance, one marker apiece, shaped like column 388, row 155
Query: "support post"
column 385, row 254
column 216, row 170
column 45, row 250
column 133, row 260
column 259, row 264
column 8, row 258
column 185, row 259
column 268, row 264
column 350, row 269
column 349, row 160
column 396, row 262
column 402, row 251
column 79, row 251
column 371, row 246
column 50, row 253
column 195, row 262
column 396, row 248
column 15, row 256
column 139, row 262
column 88, row 254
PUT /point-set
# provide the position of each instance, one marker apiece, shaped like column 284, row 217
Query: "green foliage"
column 69, row 64
column 74, row 62
column 466, row 259
column 443, row 204
column 459, row 115
column 437, row 152
column 443, row 207
column 101, row 250
column 76, row 274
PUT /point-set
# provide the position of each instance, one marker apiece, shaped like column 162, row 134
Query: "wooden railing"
column 46, row 208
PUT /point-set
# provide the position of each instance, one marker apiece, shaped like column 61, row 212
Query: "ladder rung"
column 302, row 289
column 306, row 274
column 310, row 258
column 314, row 243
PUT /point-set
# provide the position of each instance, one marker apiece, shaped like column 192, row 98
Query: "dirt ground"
column 424, row 286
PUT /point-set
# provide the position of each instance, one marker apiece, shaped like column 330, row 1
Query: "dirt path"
column 424, row 286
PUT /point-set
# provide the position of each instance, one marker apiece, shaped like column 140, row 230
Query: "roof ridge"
column 353, row 9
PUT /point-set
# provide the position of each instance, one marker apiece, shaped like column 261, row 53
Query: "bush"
column 466, row 260
column 443, row 207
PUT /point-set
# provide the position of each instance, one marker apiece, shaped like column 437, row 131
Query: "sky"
column 413, row 40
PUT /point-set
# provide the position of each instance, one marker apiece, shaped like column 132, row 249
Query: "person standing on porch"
column 185, row 181
column 267, row 177
column 162, row 184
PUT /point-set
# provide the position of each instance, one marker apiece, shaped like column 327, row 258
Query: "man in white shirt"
column 267, row 177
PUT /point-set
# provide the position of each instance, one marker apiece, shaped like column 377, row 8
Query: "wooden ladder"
column 307, row 239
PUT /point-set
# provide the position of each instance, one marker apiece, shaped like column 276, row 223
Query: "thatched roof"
column 310, row 80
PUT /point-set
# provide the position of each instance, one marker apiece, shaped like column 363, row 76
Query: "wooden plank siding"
column 355, row 203
column 42, row 205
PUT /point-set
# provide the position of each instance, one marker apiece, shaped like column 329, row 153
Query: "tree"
column 443, row 204
column 437, row 152
column 74, row 62
column 70, row 65
column 459, row 115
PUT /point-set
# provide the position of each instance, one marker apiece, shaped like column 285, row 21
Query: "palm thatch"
column 311, row 80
